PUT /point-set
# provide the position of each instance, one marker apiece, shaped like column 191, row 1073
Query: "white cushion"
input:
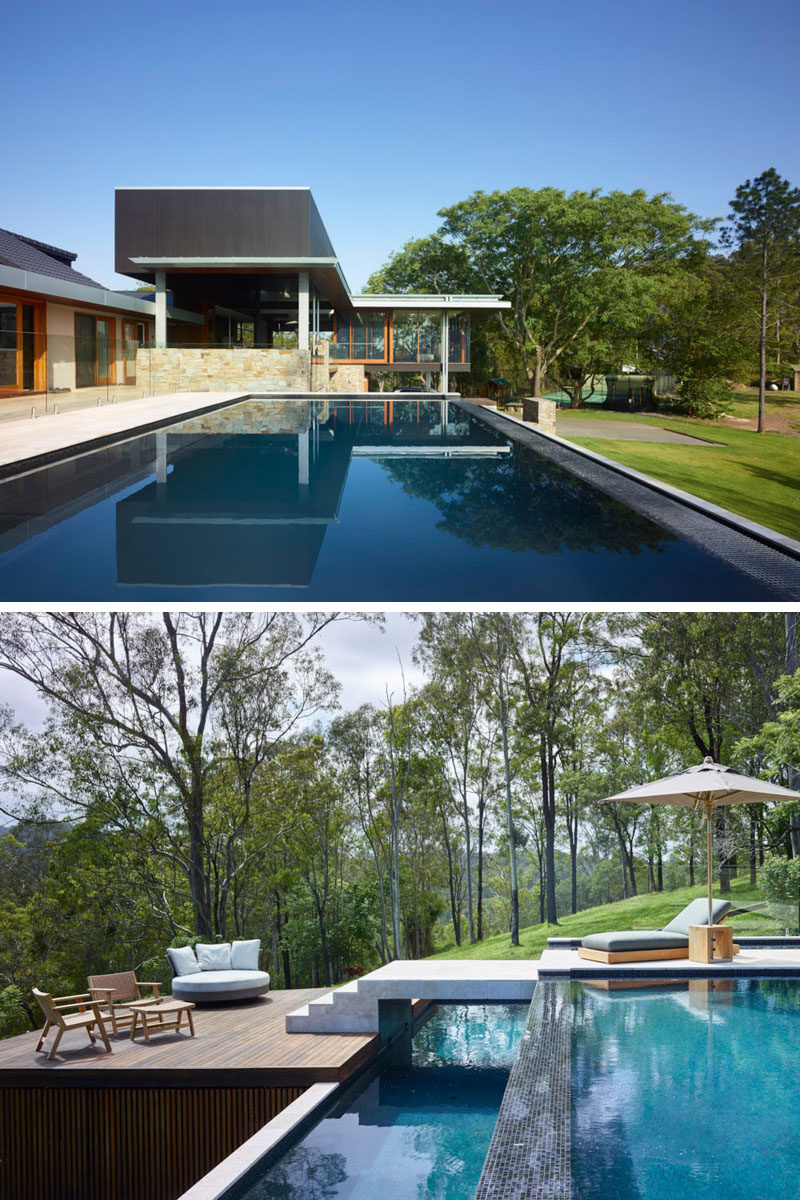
column 183, row 959
column 214, row 957
column 244, row 955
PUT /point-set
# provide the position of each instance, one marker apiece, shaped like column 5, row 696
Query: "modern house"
column 259, row 272
column 61, row 330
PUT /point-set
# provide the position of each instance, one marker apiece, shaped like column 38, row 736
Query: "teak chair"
column 114, row 991
column 87, row 1016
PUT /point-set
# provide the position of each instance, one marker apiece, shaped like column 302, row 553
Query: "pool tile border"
column 529, row 1156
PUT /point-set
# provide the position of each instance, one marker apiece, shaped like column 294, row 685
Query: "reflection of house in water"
column 250, row 505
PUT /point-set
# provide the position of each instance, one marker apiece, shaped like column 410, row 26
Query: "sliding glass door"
column 95, row 351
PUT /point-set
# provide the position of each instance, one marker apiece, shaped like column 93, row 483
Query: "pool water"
column 337, row 501
column 408, row 1129
column 687, row 1092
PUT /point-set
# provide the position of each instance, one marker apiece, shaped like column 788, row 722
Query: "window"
column 23, row 363
column 417, row 337
column 95, row 350
column 360, row 336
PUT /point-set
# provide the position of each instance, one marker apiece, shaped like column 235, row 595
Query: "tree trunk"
column 547, row 769
column 762, row 342
column 753, row 845
column 479, row 913
column 722, row 857
column 512, row 849
column 660, row 870
column 451, row 883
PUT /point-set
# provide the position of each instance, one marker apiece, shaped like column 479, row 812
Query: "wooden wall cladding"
column 133, row 1143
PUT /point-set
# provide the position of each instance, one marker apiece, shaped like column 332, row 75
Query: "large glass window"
column 8, row 344
column 360, row 336
column 95, row 356
column 417, row 336
column 459, row 339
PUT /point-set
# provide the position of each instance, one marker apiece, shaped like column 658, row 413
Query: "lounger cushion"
column 213, row 986
column 183, row 960
column 696, row 913
column 636, row 939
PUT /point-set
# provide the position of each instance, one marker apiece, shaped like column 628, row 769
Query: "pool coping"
column 302, row 1111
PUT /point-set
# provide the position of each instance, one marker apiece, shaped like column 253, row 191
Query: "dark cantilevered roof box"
column 208, row 228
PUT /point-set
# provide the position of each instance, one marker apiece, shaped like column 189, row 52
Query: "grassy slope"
column 640, row 912
column 755, row 475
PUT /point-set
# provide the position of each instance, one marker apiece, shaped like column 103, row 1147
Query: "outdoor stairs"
column 354, row 1007
column 340, row 1011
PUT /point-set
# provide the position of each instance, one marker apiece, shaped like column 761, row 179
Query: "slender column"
column 161, row 309
column 302, row 310
column 161, row 457
column 445, row 352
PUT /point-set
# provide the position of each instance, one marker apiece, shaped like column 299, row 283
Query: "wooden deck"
column 243, row 1044
column 147, row 1121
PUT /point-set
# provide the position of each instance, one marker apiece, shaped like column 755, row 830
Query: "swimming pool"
column 280, row 500
column 687, row 1090
column 406, row 1129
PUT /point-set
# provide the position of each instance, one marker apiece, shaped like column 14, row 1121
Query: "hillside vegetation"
column 639, row 912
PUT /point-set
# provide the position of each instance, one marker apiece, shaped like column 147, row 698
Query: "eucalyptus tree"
column 554, row 676
column 763, row 232
column 460, row 726
column 148, row 712
column 355, row 744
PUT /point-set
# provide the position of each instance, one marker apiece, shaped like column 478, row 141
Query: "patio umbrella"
column 705, row 788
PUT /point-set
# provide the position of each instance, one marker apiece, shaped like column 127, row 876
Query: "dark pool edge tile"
column 529, row 1156
column 733, row 539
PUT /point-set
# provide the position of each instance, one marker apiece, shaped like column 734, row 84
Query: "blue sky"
column 388, row 112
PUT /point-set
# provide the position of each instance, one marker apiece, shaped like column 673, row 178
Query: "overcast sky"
column 362, row 658
column 387, row 112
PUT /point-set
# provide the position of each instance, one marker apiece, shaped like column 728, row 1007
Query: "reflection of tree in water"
column 305, row 1173
column 524, row 503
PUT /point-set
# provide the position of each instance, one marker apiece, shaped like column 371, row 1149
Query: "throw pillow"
column 183, row 960
column 244, row 955
column 214, row 957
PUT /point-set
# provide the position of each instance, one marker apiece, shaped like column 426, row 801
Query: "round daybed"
column 217, row 973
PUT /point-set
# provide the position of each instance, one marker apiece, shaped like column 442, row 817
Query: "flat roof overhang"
column 443, row 303
column 325, row 273
column 82, row 295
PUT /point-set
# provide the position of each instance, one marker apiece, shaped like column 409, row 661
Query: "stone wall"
column 212, row 369
column 346, row 377
column 541, row 413
column 327, row 376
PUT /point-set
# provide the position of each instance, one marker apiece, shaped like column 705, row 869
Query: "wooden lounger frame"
column 621, row 956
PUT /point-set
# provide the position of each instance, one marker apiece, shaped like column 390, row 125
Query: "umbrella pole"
column 710, row 857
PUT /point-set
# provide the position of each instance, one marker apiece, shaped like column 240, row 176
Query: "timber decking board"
column 242, row 1044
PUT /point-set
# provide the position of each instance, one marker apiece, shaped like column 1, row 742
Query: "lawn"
column 756, row 475
column 640, row 912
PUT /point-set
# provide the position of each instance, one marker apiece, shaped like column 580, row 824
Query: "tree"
column 148, row 714
column 763, row 232
column 582, row 271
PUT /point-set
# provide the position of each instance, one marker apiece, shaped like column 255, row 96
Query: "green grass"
column 756, row 475
column 640, row 912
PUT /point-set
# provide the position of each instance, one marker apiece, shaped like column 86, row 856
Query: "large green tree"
column 582, row 271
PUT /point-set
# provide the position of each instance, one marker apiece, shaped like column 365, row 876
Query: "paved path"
column 26, row 444
column 626, row 431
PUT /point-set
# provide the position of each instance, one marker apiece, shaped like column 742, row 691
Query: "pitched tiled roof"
column 29, row 255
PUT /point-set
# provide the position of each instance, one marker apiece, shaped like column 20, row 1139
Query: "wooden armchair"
column 57, row 1017
column 113, row 992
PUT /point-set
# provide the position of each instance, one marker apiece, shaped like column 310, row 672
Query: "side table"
column 710, row 943
column 158, row 1015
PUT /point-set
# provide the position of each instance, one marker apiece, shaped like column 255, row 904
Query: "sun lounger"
column 639, row 945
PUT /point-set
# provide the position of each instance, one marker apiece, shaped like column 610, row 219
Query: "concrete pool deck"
column 28, row 444
column 565, row 963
